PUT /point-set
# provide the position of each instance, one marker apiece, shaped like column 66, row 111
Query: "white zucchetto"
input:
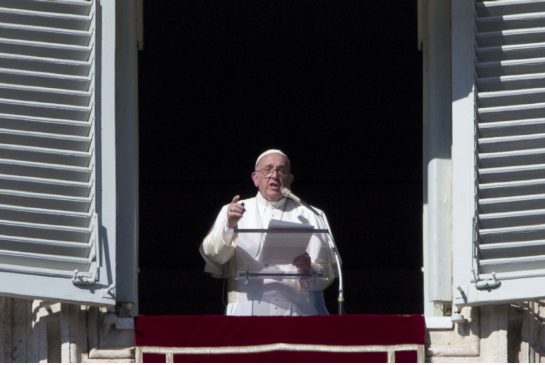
column 268, row 152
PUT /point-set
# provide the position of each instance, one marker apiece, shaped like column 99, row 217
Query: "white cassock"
column 224, row 251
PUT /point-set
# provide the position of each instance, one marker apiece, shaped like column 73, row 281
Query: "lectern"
column 272, row 261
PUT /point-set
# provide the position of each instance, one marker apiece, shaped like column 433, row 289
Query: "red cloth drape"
column 221, row 331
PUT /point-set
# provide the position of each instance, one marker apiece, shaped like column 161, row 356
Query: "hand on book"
column 302, row 263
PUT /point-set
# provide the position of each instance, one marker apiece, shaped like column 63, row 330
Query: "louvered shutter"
column 508, row 241
column 49, row 236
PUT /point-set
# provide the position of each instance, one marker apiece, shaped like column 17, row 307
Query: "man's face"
column 272, row 174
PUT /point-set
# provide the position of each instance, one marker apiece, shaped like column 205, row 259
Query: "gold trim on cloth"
column 170, row 351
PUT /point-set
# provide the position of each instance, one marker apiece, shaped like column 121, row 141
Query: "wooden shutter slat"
column 511, row 218
column 508, row 67
column 512, row 203
column 45, row 216
column 53, row 141
column 46, row 201
column 506, row 37
column 81, row 7
column 510, row 97
column 56, row 262
column 46, row 171
column 43, row 79
column 511, row 143
column 508, row 234
column 44, row 64
column 510, row 127
column 512, row 249
column 30, row 123
column 510, row 158
column 48, row 186
column 23, row 107
column 512, row 21
column 504, row 265
column 44, row 246
column 511, row 188
column 45, row 18
column 44, row 34
column 509, row 112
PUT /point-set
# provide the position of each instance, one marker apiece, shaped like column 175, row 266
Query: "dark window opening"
column 336, row 84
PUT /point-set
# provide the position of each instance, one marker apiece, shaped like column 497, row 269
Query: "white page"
column 281, row 248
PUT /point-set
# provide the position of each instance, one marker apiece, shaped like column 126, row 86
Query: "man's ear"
column 254, row 178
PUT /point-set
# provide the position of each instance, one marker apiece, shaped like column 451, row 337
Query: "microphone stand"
column 331, row 242
column 333, row 247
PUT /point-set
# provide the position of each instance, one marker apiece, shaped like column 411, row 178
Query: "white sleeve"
column 219, row 245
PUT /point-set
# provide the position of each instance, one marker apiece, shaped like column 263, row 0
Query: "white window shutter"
column 49, row 235
column 508, row 222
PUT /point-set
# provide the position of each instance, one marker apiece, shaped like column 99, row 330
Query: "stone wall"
column 40, row 331
column 496, row 333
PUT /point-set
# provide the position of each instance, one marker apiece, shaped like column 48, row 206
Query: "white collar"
column 262, row 202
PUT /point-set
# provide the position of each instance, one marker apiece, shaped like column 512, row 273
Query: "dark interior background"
column 336, row 84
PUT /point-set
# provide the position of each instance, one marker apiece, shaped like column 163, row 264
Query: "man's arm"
column 219, row 245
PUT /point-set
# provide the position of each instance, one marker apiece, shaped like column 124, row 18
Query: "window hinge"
column 109, row 292
column 84, row 278
column 486, row 284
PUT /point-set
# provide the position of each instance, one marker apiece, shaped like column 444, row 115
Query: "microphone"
column 288, row 194
column 332, row 245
